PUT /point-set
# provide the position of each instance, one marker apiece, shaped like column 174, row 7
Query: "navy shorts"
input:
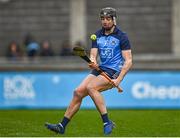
column 113, row 74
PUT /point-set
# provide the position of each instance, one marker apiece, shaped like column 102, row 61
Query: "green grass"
column 136, row 123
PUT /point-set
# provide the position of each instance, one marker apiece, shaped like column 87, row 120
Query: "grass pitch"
column 136, row 123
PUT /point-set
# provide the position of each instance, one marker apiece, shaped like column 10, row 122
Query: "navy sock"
column 105, row 118
column 65, row 121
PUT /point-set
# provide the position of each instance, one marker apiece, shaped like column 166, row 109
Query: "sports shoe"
column 58, row 128
column 108, row 127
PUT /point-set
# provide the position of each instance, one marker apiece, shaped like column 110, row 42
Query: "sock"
column 65, row 121
column 105, row 118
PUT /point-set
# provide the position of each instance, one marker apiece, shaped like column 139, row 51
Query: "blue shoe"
column 108, row 127
column 58, row 128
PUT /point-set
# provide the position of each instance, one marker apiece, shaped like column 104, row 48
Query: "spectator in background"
column 46, row 49
column 32, row 47
column 14, row 52
column 66, row 49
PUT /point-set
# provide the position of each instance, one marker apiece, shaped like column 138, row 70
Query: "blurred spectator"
column 32, row 47
column 65, row 49
column 14, row 52
column 46, row 49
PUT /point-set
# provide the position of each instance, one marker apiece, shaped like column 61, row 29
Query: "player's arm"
column 127, row 55
column 93, row 57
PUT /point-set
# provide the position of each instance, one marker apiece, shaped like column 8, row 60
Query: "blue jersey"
column 110, row 48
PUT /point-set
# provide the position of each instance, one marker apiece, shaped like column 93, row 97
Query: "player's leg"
column 79, row 93
column 94, row 87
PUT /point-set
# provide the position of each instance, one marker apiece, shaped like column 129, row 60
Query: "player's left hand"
column 116, row 82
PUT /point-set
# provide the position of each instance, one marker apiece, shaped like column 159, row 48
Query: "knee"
column 78, row 94
column 90, row 88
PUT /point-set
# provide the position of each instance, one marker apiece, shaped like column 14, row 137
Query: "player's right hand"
column 93, row 65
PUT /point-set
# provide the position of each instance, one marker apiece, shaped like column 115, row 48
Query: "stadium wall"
column 147, row 22
column 43, row 19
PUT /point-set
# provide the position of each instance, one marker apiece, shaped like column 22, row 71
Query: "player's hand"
column 93, row 65
column 116, row 82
